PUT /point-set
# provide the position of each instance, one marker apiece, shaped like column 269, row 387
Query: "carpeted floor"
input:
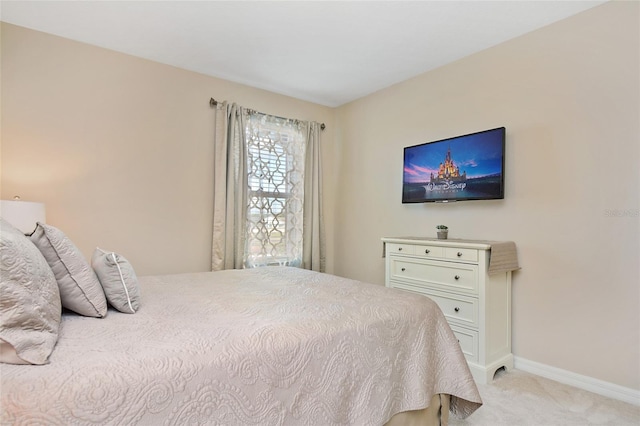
column 517, row 398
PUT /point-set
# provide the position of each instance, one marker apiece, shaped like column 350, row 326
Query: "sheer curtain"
column 276, row 160
column 267, row 191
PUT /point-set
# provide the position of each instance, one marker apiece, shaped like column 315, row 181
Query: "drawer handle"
column 399, row 248
column 427, row 251
column 459, row 254
column 457, row 277
column 456, row 309
column 402, row 269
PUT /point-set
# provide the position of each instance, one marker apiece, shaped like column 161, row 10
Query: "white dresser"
column 454, row 273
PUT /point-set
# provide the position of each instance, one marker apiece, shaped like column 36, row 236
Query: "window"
column 275, row 168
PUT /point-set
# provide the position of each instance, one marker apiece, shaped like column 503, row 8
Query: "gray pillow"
column 118, row 280
column 80, row 290
column 30, row 310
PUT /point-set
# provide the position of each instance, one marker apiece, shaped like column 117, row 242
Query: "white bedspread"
column 266, row 346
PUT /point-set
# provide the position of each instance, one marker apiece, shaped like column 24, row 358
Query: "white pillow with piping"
column 118, row 279
column 80, row 290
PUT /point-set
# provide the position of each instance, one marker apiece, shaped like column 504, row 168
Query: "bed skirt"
column 436, row 414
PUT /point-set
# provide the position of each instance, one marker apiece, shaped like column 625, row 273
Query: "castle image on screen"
column 448, row 171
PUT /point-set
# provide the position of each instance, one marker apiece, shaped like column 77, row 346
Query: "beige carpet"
column 516, row 398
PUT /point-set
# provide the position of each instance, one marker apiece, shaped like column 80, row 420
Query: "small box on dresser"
column 476, row 304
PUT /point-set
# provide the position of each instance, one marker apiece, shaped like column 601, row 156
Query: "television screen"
column 468, row 167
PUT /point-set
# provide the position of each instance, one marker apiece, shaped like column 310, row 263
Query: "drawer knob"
column 457, row 277
column 456, row 309
column 427, row 251
column 459, row 254
column 402, row 269
column 399, row 248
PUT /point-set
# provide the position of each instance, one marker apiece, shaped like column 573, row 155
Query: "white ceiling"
column 327, row 52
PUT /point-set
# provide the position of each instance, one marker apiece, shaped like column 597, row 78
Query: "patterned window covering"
column 275, row 167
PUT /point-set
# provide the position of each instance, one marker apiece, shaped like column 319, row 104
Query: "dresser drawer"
column 467, row 255
column 429, row 252
column 468, row 340
column 456, row 309
column 445, row 275
column 399, row 248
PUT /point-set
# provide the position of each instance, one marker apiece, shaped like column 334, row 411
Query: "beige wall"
column 568, row 95
column 120, row 148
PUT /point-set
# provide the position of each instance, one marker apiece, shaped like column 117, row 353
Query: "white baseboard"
column 610, row 390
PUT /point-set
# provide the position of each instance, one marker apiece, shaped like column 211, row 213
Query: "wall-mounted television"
column 467, row 167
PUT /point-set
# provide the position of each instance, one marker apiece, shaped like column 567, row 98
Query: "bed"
column 265, row 346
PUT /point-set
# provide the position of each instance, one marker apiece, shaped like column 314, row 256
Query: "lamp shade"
column 22, row 214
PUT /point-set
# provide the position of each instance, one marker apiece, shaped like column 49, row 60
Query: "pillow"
column 80, row 290
column 30, row 310
column 118, row 280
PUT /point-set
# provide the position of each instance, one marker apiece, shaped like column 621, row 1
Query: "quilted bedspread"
column 265, row 346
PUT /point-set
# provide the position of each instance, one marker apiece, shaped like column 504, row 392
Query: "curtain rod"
column 213, row 103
